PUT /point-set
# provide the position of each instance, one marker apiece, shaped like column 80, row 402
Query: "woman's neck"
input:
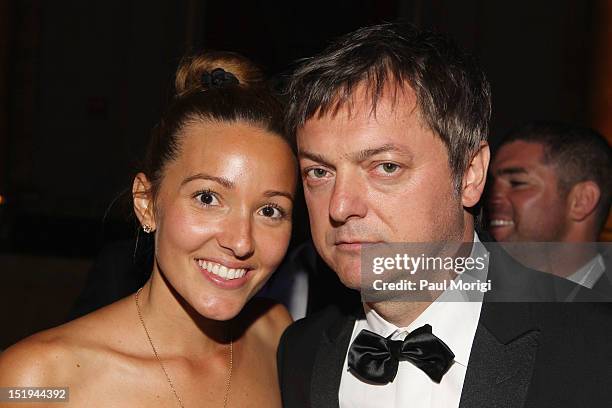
column 171, row 321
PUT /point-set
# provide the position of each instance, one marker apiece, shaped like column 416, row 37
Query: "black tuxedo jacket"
column 524, row 354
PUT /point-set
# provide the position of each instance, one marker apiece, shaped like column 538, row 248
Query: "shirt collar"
column 589, row 273
column 453, row 322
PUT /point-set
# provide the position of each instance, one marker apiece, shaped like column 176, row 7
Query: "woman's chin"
column 221, row 309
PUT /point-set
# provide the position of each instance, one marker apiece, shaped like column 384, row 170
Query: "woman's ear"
column 143, row 202
column 475, row 176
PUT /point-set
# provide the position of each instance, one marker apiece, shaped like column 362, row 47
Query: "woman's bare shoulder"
column 53, row 356
column 39, row 360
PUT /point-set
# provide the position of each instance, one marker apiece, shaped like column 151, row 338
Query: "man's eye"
column 207, row 198
column 516, row 183
column 317, row 173
column 271, row 211
column 389, row 168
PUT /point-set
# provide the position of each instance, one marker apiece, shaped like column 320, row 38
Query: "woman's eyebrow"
column 273, row 193
column 203, row 176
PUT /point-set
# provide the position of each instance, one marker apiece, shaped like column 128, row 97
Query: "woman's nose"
column 237, row 236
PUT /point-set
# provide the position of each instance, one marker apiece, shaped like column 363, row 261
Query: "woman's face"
column 222, row 216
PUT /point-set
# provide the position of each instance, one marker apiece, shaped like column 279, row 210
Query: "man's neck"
column 402, row 314
column 567, row 260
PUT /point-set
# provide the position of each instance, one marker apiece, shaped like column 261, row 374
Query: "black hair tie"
column 218, row 78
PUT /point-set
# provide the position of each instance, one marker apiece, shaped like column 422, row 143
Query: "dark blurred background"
column 82, row 84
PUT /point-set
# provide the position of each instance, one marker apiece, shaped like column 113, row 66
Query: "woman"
column 217, row 193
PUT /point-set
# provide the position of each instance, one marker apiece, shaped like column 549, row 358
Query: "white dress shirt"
column 590, row 272
column 454, row 322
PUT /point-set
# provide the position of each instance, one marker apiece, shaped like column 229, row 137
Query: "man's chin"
column 347, row 268
column 502, row 236
column 350, row 277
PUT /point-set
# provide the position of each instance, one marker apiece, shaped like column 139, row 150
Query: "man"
column 552, row 182
column 391, row 125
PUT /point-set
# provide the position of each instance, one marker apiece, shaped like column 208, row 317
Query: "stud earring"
column 147, row 228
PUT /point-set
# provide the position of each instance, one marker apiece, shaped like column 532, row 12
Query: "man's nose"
column 237, row 235
column 348, row 199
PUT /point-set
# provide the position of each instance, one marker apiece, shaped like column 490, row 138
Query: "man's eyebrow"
column 319, row 158
column 509, row 171
column 273, row 193
column 202, row 176
column 357, row 156
column 365, row 154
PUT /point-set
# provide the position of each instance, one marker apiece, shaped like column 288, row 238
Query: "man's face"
column 371, row 178
column 524, row 202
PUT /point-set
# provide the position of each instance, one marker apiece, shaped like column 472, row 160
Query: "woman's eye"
column 317, row 173
column 270, row 211
column 389, row 168
column 208, row 198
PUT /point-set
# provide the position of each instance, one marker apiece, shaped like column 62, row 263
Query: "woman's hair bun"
column 214, row 69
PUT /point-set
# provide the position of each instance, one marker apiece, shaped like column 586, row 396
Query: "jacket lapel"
column 506, row 341
column 327, row 370
column 502, row 361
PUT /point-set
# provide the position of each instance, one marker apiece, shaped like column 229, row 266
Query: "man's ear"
column 143, row 201
column 475, row 176
column 582, row 200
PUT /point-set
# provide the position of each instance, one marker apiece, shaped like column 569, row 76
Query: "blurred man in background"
column 552, row 182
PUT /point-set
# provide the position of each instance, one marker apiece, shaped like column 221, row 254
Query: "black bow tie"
column 375, row 358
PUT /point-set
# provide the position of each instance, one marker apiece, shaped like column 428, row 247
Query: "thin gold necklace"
column 161, row 364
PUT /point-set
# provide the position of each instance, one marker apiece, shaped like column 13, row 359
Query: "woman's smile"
column 222, row 275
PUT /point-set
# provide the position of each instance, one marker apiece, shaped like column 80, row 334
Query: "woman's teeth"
column 501, row 223
column 221, row 270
